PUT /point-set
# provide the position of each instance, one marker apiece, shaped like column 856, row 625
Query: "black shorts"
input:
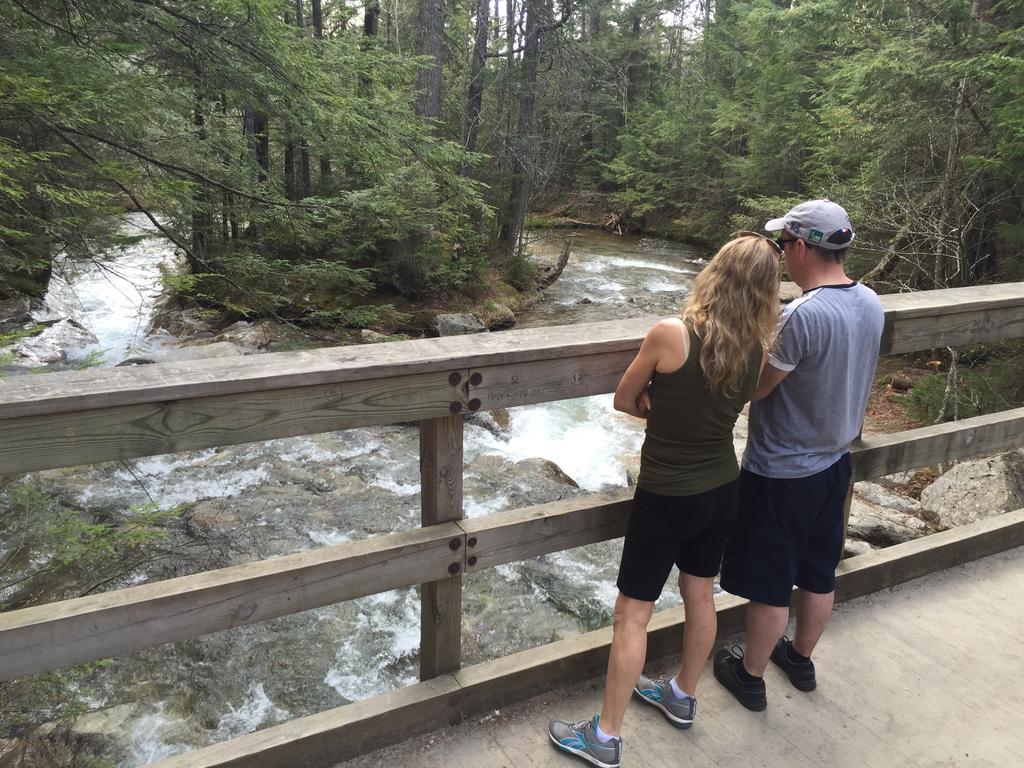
column 789, row 531
column 688, row 531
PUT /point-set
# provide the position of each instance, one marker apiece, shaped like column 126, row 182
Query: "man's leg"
column 700, row 629
column 626, row 660
column 765, row 625
column 812, row 614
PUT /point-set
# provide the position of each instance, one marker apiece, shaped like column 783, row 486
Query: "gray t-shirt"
column 828, row 342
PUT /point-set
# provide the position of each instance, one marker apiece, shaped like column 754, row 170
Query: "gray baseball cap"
column 818, row 222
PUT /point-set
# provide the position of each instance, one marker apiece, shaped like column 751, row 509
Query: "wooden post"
column 441, row 501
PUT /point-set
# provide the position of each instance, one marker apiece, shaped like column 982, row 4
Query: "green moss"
column 542, row 222
column 12, row 338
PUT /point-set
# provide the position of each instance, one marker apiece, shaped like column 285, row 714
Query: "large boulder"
column 254, row 336
column 15, row 313
column 185, row 322
column 109, row 721
column 974, row 490
column 458, row 323
column 494, row 483
column 500, row 318
column 789, row 291
column 548, row 469
column 372, row 337
column 882, row 526
column 882, row 496
column 855, row 547
column 52, row 345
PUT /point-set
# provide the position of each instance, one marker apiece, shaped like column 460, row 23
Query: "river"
column 264, row 499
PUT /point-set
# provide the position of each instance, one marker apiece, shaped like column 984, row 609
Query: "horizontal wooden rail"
column 914, row 321
column 880, row 455
column 54, row 635
column 338, row 734
column 50, row 636
column 507, row 537
column 65, row 419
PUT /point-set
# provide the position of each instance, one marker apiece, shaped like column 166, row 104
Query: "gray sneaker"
column 579, row 739
column 658, row 693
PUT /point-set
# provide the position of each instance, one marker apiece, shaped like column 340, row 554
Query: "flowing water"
column 264, row 499
column 113, row 298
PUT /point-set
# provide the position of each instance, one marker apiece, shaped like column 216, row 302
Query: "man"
column 808, row 407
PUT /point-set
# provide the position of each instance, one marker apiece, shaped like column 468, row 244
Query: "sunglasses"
column 776, row 242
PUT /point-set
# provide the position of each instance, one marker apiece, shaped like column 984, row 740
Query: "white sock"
column 677, row 690
column 603, row 737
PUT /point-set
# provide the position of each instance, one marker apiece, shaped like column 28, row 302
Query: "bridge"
column 923, row 674
column 100, row 415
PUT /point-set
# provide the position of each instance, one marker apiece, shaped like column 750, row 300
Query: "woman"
column 690, row 379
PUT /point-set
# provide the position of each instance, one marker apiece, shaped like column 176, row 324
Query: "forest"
column 332, row 164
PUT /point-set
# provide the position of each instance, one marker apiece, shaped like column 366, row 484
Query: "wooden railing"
column 99, row 415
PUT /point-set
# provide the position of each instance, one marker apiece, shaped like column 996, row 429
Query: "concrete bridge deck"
column 928, row 673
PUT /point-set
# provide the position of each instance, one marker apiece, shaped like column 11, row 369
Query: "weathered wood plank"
column 880, row 455
column 441, row 450
column 929, row 319
column 506, row 537
column 98, row 415
column 940, row 302
column 337, row 734
column 997, row 312
column 545, row 381
column 55, row 635
column 519, row 676
column 67, row 439
column 114, row 387
column 887, row 567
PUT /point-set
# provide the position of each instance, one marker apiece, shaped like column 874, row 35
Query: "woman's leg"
column 626, row 660
column 700, row 629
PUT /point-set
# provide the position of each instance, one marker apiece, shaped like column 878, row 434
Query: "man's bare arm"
column 770, row 378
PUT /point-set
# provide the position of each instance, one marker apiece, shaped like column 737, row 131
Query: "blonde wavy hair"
column 733, row 307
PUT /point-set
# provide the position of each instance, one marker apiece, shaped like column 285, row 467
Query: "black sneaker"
column 727, row 666
column 801, row 673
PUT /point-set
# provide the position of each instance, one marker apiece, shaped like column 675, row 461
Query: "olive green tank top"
column 688, row 447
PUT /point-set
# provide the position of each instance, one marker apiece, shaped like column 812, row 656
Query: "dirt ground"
column 886, row 412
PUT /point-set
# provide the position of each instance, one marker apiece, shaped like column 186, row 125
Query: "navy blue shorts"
column 688, row 531
column 788, row 531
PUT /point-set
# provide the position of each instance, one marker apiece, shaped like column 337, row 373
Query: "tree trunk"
column 318, row 19
column 290, row 187
column 371, row 26
column 371, row 19
column 304, row 180
column 430, row 44
column 940, row 268
column 475, row 97
column 632, row 68
column 510, row 32
column 522, row 161
column 202, row 221
column 255, row 128
column 300, row 183
column 318, row 33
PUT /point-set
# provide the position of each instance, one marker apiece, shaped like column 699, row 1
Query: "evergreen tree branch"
column 180, row 169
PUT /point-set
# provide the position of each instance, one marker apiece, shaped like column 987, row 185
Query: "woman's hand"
column 643, row 401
